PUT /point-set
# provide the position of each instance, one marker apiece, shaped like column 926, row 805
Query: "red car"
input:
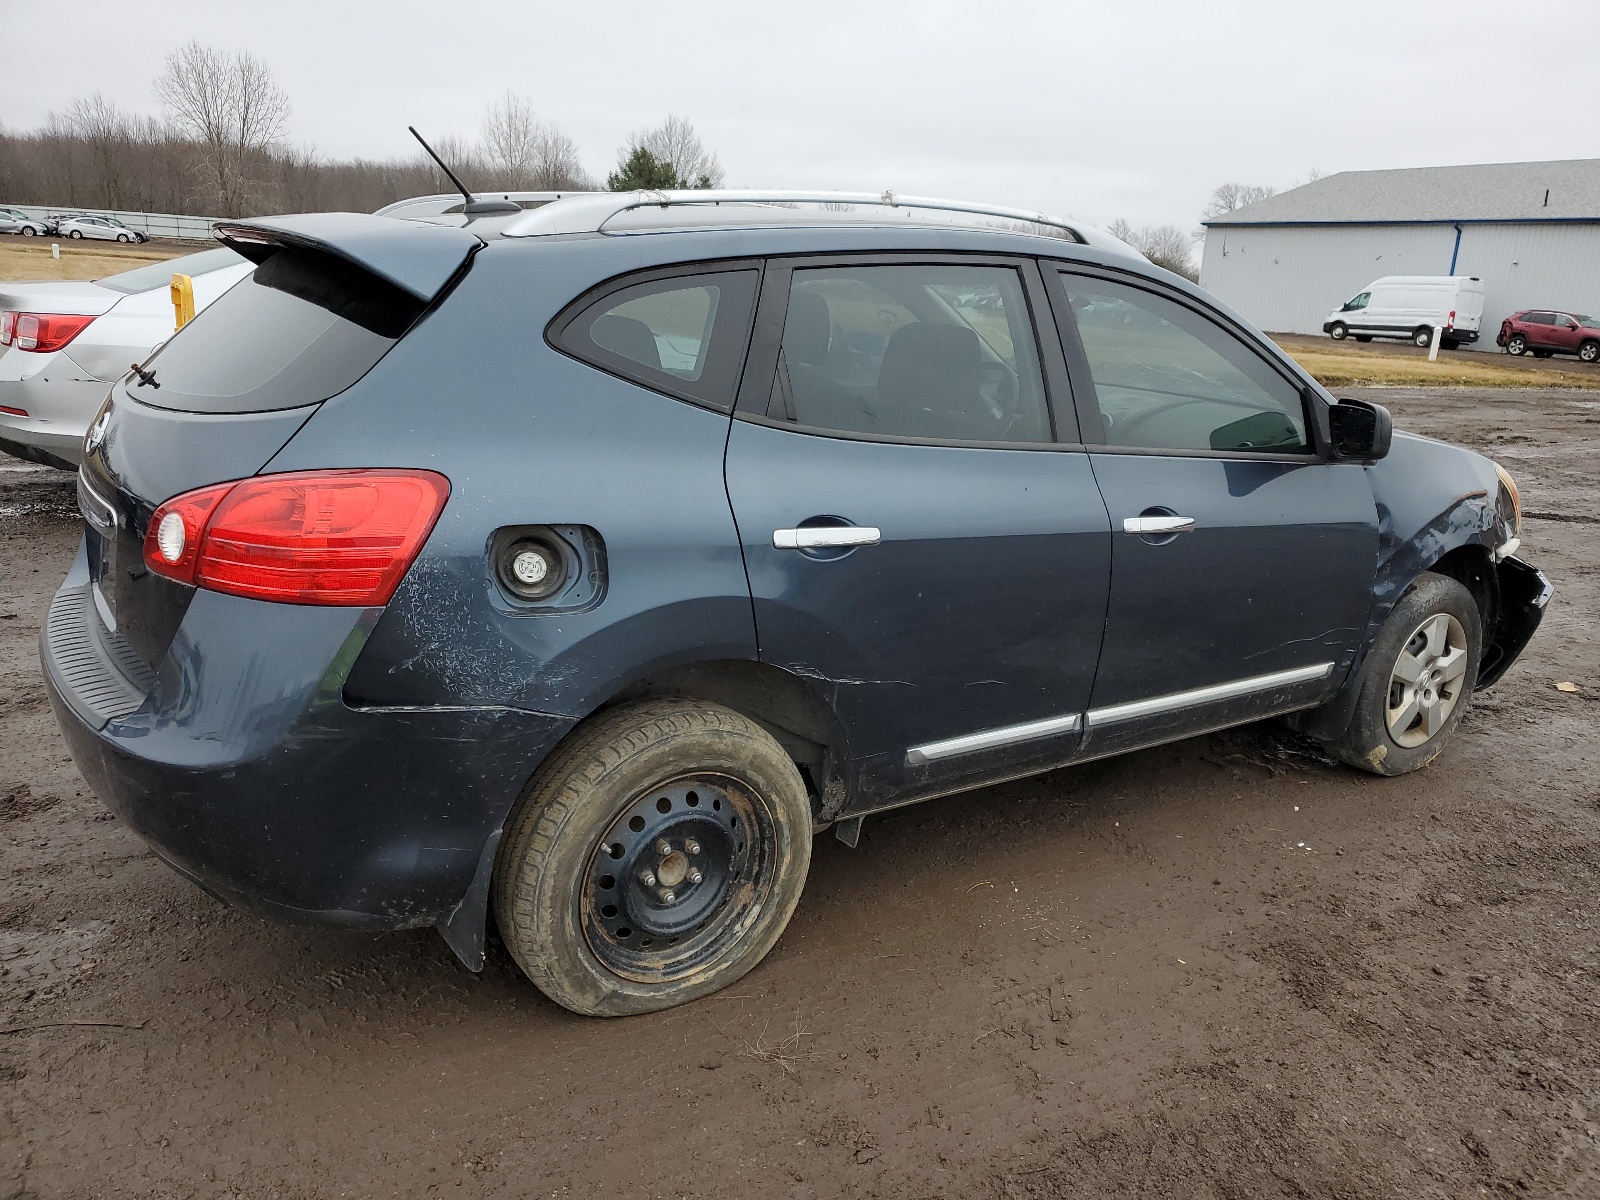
column 1546, row 331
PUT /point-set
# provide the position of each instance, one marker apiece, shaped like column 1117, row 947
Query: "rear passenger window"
column 941, row 352
column 684, row 335
column 1166, row 378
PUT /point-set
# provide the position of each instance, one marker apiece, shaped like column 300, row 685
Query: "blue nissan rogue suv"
column 577, row 565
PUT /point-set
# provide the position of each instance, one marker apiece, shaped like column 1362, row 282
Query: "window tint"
column 1167, row 378
column 915, row 351
column 684, row 335
column 1540, row 318
column 304, row 326
column 1356, row 302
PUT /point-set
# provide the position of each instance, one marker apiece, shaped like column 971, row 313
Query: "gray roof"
column 1487, row 192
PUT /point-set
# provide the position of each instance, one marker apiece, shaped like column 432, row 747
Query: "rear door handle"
column 1148, row 525
column 820, row 537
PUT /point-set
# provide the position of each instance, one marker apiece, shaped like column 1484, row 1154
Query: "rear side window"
column 942, row 352
column 1167, row 378
column 684, row 335
column 303, row 327
column 1539, row 318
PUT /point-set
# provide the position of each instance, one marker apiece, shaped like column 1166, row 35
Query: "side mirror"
column 1360, row 430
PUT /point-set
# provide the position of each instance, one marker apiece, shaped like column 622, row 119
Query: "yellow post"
column 182, row 299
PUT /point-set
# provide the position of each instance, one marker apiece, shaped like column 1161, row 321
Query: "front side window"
column 939, row 351
column 683, row 334
column 1357, row 302
column 1167, row 378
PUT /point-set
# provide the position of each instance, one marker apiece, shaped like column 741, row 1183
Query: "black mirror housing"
column 1360, row 430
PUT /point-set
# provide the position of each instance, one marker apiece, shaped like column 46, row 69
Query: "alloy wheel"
column 1426, row 682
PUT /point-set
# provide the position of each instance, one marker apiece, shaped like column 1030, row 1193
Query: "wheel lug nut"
column 648, row 879
column 663, row 847
column 668, row 897
column 691, row 847
column 695, row 876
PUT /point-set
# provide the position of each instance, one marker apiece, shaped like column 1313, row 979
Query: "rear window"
column 303, row 327
column 158, row 275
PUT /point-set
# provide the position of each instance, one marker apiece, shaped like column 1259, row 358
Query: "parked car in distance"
column 105, row 229
column 14, row 220
column 505, row 566
column 1411, row 307
column 63, row 343
column 1542, row 332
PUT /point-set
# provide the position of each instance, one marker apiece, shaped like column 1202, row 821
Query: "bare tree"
column 1165, row 245
column 529, row 152
column 231, row 106
column 676, row 144
column 1231, row 196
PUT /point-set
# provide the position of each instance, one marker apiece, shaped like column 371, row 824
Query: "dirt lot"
column 1391, row 363
column 1222, row 968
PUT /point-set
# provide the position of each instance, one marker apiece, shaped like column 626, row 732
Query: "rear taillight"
column 42, row 332
column 307, row 537
column 1451, row 323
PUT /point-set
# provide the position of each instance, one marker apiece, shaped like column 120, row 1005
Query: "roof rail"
column 590, row 213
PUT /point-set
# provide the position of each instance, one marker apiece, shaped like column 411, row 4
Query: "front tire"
column 76, row 233
column 1338, row 331
column 1422, row 336
column 29, row 231
column 655, row 858
column 1419, row 679
column 122, row 237
column 1516, row 344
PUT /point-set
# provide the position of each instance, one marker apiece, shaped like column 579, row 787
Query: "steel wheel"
column 1427, row 679
column 678, row 877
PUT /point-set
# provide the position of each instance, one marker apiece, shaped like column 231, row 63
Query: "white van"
column 1411, row 307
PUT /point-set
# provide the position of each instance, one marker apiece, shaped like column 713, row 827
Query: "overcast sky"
column 1131, row 108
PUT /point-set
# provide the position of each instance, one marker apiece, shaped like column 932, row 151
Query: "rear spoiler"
column 417, row 258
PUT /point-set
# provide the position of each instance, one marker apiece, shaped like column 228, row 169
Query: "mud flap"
column 848, row 831
column 467, row 926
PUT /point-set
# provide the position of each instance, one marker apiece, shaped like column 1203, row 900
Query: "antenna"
column 473, row 207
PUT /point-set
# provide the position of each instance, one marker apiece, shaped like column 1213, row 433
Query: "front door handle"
column 1157, row 525
column 825, row 537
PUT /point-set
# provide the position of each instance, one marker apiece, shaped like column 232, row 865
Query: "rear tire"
column 1448, row 344
column 1589, row 352
column 1516, row 344
column 1419, row 679
column 656, row 857
column 1422, row 335
column 1338, row 331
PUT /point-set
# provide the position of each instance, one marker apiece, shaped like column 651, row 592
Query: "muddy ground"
column 1221, row 968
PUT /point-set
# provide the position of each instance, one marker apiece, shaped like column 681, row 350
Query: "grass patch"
column 30, row 259
column 1341, row 367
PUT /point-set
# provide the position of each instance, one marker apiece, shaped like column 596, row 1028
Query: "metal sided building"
column 1529, row 231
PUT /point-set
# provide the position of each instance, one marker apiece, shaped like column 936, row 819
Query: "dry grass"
column 785, row 1054
column 30, row 258
column 1341, row 366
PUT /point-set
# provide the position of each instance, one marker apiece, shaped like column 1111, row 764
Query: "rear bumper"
column 59, row 408
column 242, row 766
column 1461, row 335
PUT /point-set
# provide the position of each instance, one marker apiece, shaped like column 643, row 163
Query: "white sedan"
column 63, row 344
column 105, row 229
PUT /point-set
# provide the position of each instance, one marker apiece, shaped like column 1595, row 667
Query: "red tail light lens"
column 306, row 537
column 45, row 331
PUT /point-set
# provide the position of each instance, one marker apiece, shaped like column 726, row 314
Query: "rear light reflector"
column 44, row 332
column 304, row 537
column 13, row 412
